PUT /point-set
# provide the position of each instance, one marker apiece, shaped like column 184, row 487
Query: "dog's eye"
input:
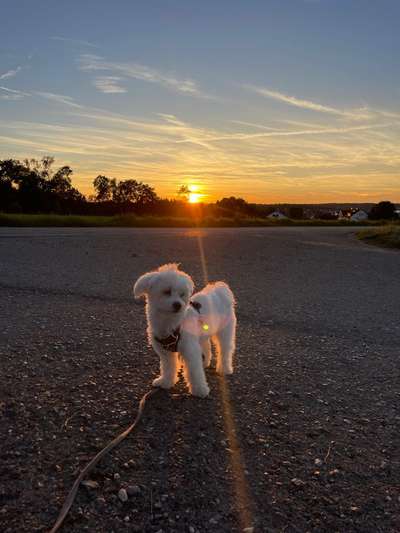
column 182, row 295
column 167, row 292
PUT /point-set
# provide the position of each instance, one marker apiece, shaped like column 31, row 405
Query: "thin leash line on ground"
column 72, row 493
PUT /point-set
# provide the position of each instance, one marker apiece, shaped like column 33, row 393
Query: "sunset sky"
column 273, row 101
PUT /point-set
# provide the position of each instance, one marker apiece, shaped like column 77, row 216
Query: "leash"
column 72, row 493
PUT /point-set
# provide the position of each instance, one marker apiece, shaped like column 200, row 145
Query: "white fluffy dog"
column 178, row 324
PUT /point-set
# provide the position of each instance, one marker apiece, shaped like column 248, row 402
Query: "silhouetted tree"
column 105, row 188
column 236, row 206
column 40, row 167
column 173, row 208
column 28, row 183
column 9, row 171
column 383, row 211
column 296, row 212
column 183, row 193
column 123, row 196
column 60, row 183
column 32, row 187
column 325, row 215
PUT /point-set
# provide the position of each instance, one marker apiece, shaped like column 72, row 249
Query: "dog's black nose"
column 177, row 306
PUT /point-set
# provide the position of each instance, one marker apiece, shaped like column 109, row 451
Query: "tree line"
column 36, row 186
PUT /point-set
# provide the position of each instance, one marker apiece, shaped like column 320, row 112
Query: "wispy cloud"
column 173, row 129
column 171, row 119
column 11, row 94
column 290, row 133
column 170, row 130
column 60, row 99
column 10, row 73
column 308, row 104
column 254, row 162
column 90, row 62
column 109, row 84
column 252, row 125
column 74, row 41
column 383, row 113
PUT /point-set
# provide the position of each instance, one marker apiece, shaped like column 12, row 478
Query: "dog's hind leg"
column 193, row 368
column 206, row 349
column 225, row 348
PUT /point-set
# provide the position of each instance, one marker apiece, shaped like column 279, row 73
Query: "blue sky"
column 288, row 100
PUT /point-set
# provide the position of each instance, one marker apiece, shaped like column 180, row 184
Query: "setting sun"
column 193, row 194
column 194, row 197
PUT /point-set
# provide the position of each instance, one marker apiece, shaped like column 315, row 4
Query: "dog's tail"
column 224, row 292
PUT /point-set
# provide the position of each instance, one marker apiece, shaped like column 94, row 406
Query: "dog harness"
column 170, row 343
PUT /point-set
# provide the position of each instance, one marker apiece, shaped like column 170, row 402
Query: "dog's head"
column 167, row 289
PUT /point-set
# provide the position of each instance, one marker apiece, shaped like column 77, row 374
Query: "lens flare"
column 239, row 481
column 194, row 197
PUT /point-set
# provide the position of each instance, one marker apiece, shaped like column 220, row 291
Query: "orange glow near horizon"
column 279, row 192
column 194, row 197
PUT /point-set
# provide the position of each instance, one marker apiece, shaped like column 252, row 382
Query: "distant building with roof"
column 277, row 215
column 359, row 216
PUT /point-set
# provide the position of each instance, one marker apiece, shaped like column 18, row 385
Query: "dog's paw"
column 162, row 383
column 224, row 371
column 201, row 391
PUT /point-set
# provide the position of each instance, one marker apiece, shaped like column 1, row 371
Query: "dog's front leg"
column 194, row 370
column 168, row 368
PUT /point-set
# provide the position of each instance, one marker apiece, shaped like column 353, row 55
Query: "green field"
column 132, row 221
column 388, row 236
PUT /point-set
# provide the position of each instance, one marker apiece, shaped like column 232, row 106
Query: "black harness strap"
column 170, row 343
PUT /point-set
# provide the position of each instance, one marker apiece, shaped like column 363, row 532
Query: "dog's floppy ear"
column 143, row 284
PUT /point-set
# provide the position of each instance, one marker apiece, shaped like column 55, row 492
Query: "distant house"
column 359, row 216
column 326, row 214
column 277, row 215
column 345, row 214
column 355, row 215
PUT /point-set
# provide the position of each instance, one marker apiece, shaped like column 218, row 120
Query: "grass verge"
column 133, row 221
column 388, row 236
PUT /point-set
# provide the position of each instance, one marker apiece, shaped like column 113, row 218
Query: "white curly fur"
column 168, row 291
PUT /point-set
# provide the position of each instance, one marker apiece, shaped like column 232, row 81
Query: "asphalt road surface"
column 303, row 437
